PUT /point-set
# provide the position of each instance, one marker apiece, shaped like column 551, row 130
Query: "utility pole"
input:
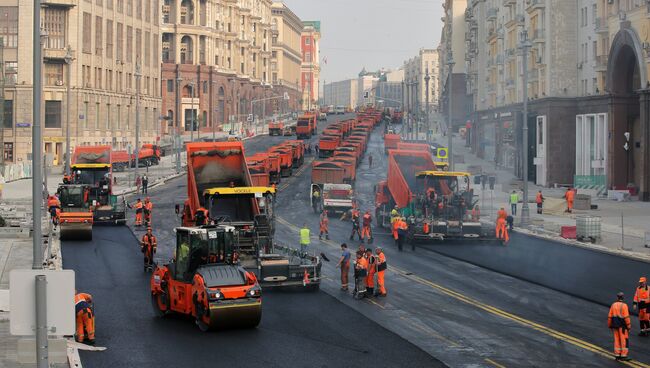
column 192, row 114
column 450, row 63
column 177, row 138
column 68, row 62
column 138, row 75
column 427, row 78
column 525, row 46
column 2, row 105
column 37, row 153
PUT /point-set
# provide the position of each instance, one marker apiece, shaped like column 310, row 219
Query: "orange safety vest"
column 619, row 316
column 362, row 264
column 642, row 295
column 539, row 198
column 570, row 194
column 82, row 297
column 382, row 259
column 138, row 206
column 502, row 214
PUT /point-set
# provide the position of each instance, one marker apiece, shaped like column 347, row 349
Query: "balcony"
column 67, row 3
column 492, row 14
column 532, row 5
column 601, row 25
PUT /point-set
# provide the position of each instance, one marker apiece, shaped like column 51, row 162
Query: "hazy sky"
column 370, row 33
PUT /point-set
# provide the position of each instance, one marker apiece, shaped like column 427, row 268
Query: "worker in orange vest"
column 138, row 212
column 502, row 214
column 366, row 231
column 642, row 302
column 147, row 208
column 85, row 318
column 539, row 199
column 324, row 226
column 201, row 216
column 402, row 229
column 569, row 196
column 372, row 270
column 381, row 270
column 148, row 247
column 618, row 321
column 502, row 230
column 360, row 274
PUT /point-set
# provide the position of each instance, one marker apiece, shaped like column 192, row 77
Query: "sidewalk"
column 635, row 216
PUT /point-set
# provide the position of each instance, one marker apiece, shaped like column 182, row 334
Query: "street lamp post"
column 138, row 76
column 450, row 63
column 427, row 78
column 68, row 62
column 177, row 138
column 192, row 114
column 525, row 46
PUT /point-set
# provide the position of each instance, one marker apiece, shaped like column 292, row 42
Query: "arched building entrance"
column 629, row 107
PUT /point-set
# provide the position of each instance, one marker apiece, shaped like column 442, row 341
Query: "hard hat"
column 620, row 295
column 149, row 228
column 396, row 206
column 642, row 279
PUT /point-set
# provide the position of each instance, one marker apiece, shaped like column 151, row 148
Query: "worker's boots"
column 370, row 292
column 327, row 236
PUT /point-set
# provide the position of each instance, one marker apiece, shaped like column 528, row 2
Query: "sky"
column 370, row 33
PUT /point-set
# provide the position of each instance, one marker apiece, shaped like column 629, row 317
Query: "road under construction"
column 532, row 302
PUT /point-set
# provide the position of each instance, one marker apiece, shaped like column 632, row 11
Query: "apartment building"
column 452, row 47
column 107, row 40
column 286, row 58
column 390, row 89
column 310, row 67
column 216, row 62
column 416, row 70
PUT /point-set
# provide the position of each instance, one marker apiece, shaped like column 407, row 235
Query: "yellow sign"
column 442, row 153
column 442, row 173
column 239, row 190
column 54, row 139
column 90, row 166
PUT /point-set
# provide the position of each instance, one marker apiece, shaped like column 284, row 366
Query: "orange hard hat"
column 642, row 279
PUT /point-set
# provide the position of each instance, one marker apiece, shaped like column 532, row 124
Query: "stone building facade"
column 107, row 39
column 341, row 93
column 310, row 67
column 286, row 59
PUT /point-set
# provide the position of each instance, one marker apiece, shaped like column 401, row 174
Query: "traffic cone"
column 305, row 278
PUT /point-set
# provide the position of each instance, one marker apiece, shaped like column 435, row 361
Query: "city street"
column 437, row 307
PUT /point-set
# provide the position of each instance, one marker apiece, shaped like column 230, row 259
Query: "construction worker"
column 569, row 196
column 52, row 204
column 476, row 213
column 502, row 214
column 85, row 317
column 344, row 265
column 394, row 214
column 67, row 179
column 201, row 216
column 502, row 230
column 402, row 229
column 366, row 231
column 315, row 199
column 370, row 161
column 642, row 302
column 618, row 321
column 147, row 209
column 304, row 239
column 138, row 212
column 360, row 274
column 514, row 199
column 324, row 226
column 381, row 270
column 372, row 270
column 355, row 224
column 148, row 247
column 539, row 199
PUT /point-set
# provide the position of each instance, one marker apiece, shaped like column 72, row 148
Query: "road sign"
column 366, row 94
column 249, row 118
column 442, row 153
column 60, row 302
column 286, row 96
column 627, row 136
column 626, row 146
column 23, row 125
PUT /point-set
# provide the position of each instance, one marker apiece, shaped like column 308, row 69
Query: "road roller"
column 76, row 218
column 205, row 281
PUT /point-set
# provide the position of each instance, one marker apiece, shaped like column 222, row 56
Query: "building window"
column 167, row 40
column 205, row 86
column 147, row 48
column 120, row 42
column 9, row 25
column 129, row 43
column 86, row 110
column 308, row 57
column 11, row 70
column 98, row 35
column 109, row 39
column 9, row 152
column 138, row 45
column 307, row 41
column 155, row 51
column 187, row 12
column 52, row 114
column 96, row 115
column 53, row 20
column 108, row 116
column 138, row 9
column 8, row 114
column 120, row 6
column 129, row 7
column 170, row 85
column 118, row 116
column 165, row 11
column 186, row 50
column 53, row 74
column 87, row 41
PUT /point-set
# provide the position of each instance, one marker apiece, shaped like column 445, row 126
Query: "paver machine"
column 204, row 281
column 91, row 190
column 219, row 182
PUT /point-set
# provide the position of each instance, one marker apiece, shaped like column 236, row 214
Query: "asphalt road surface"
column 298, row 329
column 461, row 314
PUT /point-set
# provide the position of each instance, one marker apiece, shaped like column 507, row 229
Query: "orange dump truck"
column 391, row 141
column 306, row 126
column 276, row 128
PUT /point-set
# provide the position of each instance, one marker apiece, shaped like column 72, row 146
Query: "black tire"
column 313, row 288
column 156, row 308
